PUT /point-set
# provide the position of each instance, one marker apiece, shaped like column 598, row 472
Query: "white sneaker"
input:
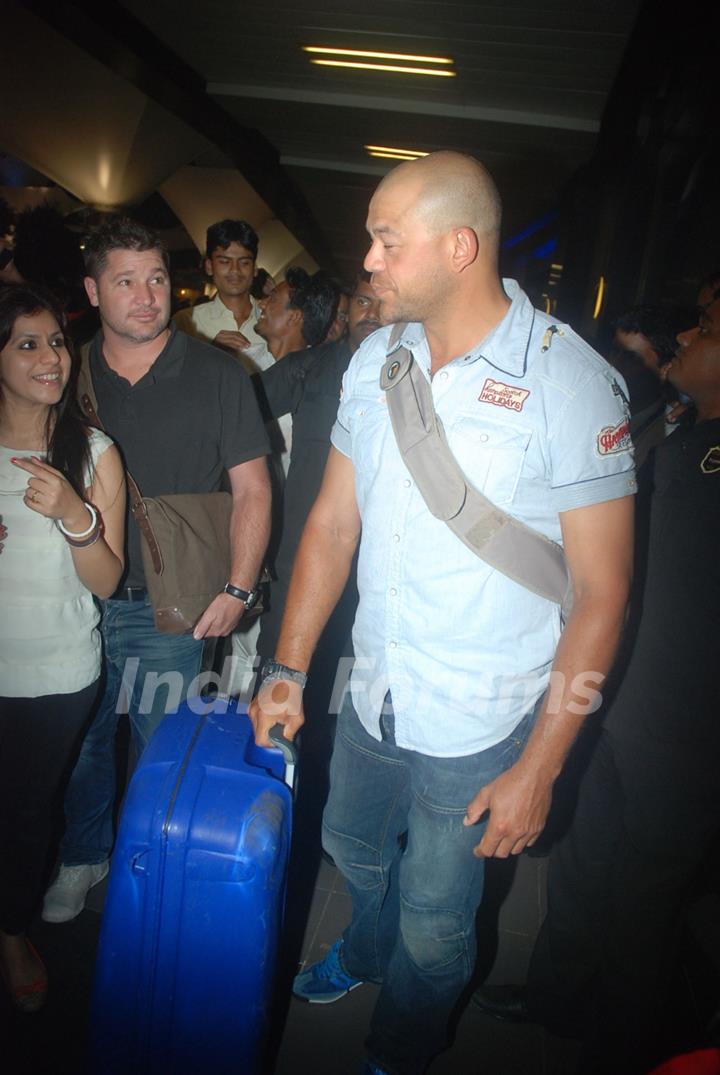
column 65, row 898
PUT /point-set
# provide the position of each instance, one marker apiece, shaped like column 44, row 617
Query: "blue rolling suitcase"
column 187, row 949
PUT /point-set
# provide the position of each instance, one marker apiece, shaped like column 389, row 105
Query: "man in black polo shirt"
column 182, row 413
column 307, row 384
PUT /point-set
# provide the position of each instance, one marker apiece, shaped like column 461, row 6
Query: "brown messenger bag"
column 186, row 547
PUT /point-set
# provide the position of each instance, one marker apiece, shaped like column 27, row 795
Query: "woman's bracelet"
column 84, row 533
column 86, row 542
column 87, row 537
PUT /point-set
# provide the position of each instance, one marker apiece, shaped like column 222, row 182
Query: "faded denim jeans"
column 394, row 826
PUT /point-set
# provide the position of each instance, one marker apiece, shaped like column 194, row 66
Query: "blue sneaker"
column 326, row 981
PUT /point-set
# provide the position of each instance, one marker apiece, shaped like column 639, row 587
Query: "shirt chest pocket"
column 491, row 454
column 369, row 426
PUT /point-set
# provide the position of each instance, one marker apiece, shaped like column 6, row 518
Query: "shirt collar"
column 167, row 364
column 217, row 309
column 505, row 347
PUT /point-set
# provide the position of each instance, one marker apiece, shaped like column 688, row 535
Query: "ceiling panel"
column 532, row 81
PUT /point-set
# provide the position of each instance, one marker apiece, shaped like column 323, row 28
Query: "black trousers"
column 616, row 883
column 39, row 738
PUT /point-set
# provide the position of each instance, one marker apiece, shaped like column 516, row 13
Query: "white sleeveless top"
column 49, row 642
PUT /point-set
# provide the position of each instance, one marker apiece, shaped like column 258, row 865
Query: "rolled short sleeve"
column 242, row 430
column 591, row 449
column 340, row 433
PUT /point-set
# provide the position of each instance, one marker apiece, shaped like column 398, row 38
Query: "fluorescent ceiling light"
column 413, row 153
column 392, row 156
column 324, row 50
column 385, row 67
column 357, row 59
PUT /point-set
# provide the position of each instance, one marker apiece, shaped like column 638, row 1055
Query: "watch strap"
column 272, row 670
column 236, row 591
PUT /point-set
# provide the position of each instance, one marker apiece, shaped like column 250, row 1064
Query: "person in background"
column 293, row 318
column 644, row 345
column 307, row 385
column 228, row 321
column 62, row 511
column 339, row 325
column 649, row 806
column 262, row 285
column 8, row 272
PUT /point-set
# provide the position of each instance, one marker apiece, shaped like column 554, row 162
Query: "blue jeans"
column 136, row 655
column 414, row 906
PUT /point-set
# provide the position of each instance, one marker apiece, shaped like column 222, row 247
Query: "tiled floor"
column 314, row 1039
column 328, row 1040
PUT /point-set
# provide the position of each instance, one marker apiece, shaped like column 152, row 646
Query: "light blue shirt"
column 539, row 423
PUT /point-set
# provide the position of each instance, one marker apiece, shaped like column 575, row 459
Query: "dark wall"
column 644, row 213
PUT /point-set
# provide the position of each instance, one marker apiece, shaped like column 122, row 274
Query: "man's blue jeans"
column 138, row 659
column 413, row 920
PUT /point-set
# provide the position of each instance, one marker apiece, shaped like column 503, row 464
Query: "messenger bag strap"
column 88, row 402
column 503, row 542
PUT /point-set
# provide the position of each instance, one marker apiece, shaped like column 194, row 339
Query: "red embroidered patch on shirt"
column 503, row 395
column 614, row 439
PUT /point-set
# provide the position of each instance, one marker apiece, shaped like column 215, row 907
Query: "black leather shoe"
column 506, row 1002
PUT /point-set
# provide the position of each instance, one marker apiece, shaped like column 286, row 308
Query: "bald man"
column 467, row 691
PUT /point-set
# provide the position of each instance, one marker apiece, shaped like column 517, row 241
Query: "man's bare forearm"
column 584, row 656
column 249, row 535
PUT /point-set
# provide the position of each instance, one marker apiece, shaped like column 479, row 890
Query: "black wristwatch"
column 250, row 597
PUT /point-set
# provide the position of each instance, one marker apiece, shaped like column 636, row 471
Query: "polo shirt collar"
column 168, row 363
column 505, row 347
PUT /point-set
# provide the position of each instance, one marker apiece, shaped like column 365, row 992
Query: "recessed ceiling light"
column 378, row 55
column 392, row 156
column 385, row 67
column 395, row 153
column 403, row 67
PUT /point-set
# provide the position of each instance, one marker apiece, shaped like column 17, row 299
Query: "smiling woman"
column 62, row 501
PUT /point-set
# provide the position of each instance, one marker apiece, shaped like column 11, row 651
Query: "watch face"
column 252, row 598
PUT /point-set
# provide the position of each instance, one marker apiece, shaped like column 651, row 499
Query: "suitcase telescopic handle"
column 289, row 752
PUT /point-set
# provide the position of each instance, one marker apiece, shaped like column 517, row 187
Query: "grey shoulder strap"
column 503, row 542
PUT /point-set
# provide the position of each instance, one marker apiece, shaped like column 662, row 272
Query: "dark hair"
column 362, row 276
column 660, row 325
column 231, row 231
column 712, row 281
column 261, row 278
column 66, row 432
column 317, row 297
column 119, row 233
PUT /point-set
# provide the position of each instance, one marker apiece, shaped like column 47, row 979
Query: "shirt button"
column 483, row 437
column 393, row 645
column 444, row 375
column 393, row 591
column 407, row 483
column 396, row 537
